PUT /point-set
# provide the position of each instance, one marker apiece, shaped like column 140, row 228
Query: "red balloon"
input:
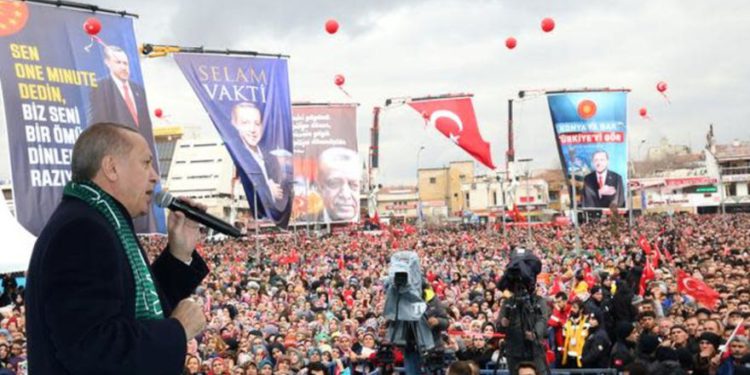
column 158, row 112
column 425, row 115
column 332, row 26
column 643, row 112
column 661, row 86
column 339, row 80
column 92, row 26
column 510, row 43
column 548, row 24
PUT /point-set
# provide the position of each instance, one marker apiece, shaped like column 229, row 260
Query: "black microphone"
column 166, row 200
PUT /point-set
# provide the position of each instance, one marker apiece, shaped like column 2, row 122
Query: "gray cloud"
column 389, row 48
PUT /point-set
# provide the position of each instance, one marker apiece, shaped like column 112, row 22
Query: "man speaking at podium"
column 94, row 304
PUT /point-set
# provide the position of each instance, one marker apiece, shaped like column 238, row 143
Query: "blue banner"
column 248, row 101
column 592, row 139
column 57, row 80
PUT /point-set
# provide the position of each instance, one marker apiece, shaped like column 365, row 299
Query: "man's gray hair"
column 110, row 49
column 600, row 151
column 96, row 142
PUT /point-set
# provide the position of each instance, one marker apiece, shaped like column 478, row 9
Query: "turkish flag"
column 648, row 275
column 454, row 117
column 643, row 243
column 557, row 287
column 697, row 289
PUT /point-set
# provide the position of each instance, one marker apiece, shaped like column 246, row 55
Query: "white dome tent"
column 17, row 242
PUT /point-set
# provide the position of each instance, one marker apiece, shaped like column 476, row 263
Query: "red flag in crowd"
column 668, row 255
column 697, row 289
column 409, row 229
column 455, row 118
column 517, row 215
column 588, row 276
column 648, row 275
column 643, row 243
column 656, row 256
column 556, row 287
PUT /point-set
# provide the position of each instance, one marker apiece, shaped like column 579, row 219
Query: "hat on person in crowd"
column 253, row 285
column 624, row 329
column 648, row 343
column 277, row 346
column 325, row 348
column 712, row 339
column 255, row 332
column 6, row 333
column 270, row 329
column 313, row 351
column 736, row 313
column 265, row 363
column 322, row 337
column 741, row 339
column 371, row 334
column 595, row 289
column 678, row 326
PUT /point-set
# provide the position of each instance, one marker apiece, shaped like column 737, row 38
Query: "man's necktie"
column 129, row 102
column 601, row 181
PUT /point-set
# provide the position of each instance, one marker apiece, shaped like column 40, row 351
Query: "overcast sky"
column 389, row 48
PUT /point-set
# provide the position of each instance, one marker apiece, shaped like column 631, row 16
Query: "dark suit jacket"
column 80, row 301
column 107, row 105
column 591, row 191
column 277, row 209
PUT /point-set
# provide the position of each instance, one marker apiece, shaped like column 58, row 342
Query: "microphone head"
column 163, row 199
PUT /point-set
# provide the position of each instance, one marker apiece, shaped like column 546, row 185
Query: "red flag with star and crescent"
column 697, row 289
column 455, row 118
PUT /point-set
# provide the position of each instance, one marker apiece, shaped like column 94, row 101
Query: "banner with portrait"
column 248, row 101
column 56, row 80
column 592, row 140
column 327, row 168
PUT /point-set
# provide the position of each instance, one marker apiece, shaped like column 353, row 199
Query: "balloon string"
column 344, row 91
column 666, row 98
column 96, row 39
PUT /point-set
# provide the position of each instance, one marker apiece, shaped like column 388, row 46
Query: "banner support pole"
column 257, row 226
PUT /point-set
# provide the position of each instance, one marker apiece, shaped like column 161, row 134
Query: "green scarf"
column 147, row 305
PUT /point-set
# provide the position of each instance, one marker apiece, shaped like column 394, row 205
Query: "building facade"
column 399, row 203
column 442, row 187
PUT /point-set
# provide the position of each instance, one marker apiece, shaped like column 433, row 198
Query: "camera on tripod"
column 521, row 273
column 405, row 309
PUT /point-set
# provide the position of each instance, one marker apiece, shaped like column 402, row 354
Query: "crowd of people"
column 300, row 303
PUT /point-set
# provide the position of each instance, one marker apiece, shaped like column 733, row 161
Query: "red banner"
column 455, row 118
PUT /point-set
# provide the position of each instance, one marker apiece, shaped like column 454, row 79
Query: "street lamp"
column 528, row 198
column 419, row 199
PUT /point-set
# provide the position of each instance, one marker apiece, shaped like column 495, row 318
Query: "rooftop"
column 733, row 151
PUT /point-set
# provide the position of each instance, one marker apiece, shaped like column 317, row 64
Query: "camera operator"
column 415, row 315
column 523, row 316
column 437, row 320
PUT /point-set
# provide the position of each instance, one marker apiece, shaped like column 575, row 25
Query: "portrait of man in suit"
column 117, row 98
column 120, row 100
column 271, row 180
column 602, row 187
column 339, row 182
